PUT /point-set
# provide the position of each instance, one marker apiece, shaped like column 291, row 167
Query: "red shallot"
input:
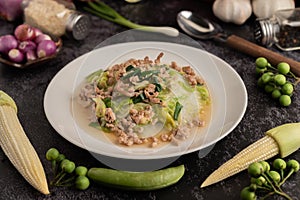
column 42, row 37
column 46, row 48
column 7, row 42
column 37, row 31
column 16, row 55
column 26, row 46
column 31, row 55
column 24, row 32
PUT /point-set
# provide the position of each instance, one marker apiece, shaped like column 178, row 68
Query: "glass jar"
column 55, row 18
column 282, row 29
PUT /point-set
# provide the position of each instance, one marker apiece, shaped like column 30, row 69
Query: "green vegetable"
column 121, row 106
column 136, row 180
column 285, row 100
column 107, row 102
column 283, row 68
column 255, row 169
column 287, row 138
column 165, row 116
column 60, row 157
column 204, row 94
column 81, row 170
column 293, row 167
column 185, row 86
column 141, row 85
column 276, row 93
column 90, row 78
column 248, row 194
column 269, row 88
column 65, row 172
column 268, row 181
column 260, row 70
column 279, row 164
column 280, row 82
column 261, row 63
column 275, row 176
column 280, row 79
column 266, row 165
column 129, row 67
column 287, row 88
column 266, row 77
column 260, row 181
column 133, row 72
column 158, row 87
column 52, row 154
column 103, row 77
column 293, row 164
column 177, row 110
column 104, row 11
column 82, row 182
column 67, row 166
column 144, row 74
column 138, row 99
column 100, row 107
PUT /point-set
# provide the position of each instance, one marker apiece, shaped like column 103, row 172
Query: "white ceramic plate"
column 229, row 98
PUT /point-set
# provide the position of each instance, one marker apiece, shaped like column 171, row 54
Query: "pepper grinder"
column 282, row 29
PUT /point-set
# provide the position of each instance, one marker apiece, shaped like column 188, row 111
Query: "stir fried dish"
column 144, row 101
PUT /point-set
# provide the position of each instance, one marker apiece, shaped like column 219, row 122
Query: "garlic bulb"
column 234, row 11
column 266, row 8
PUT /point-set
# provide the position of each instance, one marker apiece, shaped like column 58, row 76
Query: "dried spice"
column 289, row 37
column 55, row 18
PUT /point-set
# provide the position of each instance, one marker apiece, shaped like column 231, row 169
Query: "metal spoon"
column 196, row 26
column 203, row 29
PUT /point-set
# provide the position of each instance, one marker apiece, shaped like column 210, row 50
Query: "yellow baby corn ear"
column 17, row 146
column 282, row 140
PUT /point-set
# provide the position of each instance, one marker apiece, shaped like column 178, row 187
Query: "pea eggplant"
column 142, row 181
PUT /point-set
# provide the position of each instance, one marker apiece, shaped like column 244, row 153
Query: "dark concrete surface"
column 28, row 86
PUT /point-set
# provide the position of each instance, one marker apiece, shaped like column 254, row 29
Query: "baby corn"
column 282, row 140
column 17, row 146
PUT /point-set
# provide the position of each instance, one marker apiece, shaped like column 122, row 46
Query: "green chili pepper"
column 107, row 102
column 129, row 67
column 158, row 87
column 135, row 72
column 177, row 110
column 138, row 99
